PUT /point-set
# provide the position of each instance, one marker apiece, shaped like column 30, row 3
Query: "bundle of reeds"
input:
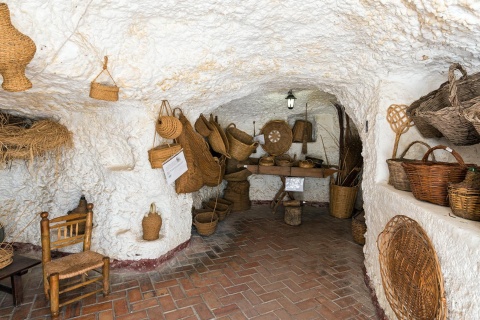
column 22, row 138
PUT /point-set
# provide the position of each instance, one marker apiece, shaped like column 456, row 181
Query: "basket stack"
column 429, row 179
column 464, row 197
column 238, row 192
column 222, row 209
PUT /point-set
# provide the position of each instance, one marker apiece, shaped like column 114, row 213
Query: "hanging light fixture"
column 290, row 100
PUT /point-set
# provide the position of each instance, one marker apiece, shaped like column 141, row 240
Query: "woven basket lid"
column 278, row 137
column 410, row 270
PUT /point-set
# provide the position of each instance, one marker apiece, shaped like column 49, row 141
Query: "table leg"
column 281, row 193
column 17, row 289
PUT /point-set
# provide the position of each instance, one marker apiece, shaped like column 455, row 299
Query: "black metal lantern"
column 290, row 100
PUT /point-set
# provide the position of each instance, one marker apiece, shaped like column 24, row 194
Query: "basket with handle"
column 464, row 197
column 159, row 154
column 398, row 178
column 102, row 91
column 205, row 222
column 203, row 126
column 218, row 139
column 429, row 179
column 168, row 126
column 241, row 143
column 472, row 115
column 450, row 121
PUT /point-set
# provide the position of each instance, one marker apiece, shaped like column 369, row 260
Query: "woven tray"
column 278, row 137
column 410, row 270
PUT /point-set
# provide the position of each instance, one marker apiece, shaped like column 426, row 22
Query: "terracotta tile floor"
column 254, row 267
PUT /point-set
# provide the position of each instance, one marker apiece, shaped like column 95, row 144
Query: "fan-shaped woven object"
column 278, row 137
column 410, row 270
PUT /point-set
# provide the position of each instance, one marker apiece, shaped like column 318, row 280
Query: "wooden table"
column 288, row 172
column 15, row 270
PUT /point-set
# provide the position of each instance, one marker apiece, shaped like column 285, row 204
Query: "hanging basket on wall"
column 103, row 91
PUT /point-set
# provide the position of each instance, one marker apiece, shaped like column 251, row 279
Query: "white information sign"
column 294, row 184
column 175, row 166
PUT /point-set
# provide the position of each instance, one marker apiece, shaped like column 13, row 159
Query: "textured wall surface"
column 207, row 57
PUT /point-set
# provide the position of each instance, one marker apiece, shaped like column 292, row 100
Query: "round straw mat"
column 278, row 137
column 410, row 270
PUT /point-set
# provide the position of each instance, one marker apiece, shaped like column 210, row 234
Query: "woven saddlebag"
column 450, row 120
column 103, row 91
column 429, row 179
column 398, row 178
column 468, row 87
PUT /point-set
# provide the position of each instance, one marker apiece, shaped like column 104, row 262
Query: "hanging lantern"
column 290, row 100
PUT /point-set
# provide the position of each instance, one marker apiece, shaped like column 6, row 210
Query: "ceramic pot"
column 16, row 51
column 151, row 224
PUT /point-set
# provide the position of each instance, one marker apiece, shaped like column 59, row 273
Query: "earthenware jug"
column 151, row 224
column 16, row 51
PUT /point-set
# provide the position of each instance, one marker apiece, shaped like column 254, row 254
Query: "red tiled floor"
column 254, row 267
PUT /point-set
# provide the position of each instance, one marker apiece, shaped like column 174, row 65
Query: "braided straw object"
column 6, row 254
column 410, row 270
column 16, row 51
column 399, row 122
column 168, row 126
column 102, row 91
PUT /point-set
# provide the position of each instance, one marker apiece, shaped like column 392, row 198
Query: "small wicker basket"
column 306, row 164
column 206, row 223
column 267, row 161
column 359, row 227
column 158, row 155
column 101, row 91
column 6, row 254
column 221, row 209
column 168, row 126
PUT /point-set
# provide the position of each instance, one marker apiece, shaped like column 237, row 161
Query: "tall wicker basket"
column 342, row 201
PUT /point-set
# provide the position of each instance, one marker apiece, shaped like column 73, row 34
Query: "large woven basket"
column 238, row 192
column 468, row 88
column 359, row 227
column 241, row 175
column 398, row 178
column 104, row 91
column 278, row 137
column 158, row 155
column 203, row 126
column 217, row 139
column 429, row 179
column 450, row 120
column 472, row 114
column 6, row 254
column 206, row 223
column 241, row 143
column 342, row 201
column 410, row 270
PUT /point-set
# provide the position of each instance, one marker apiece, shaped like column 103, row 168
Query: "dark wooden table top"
column 19, row 264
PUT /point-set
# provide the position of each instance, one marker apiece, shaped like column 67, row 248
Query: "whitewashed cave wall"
column 202, row 55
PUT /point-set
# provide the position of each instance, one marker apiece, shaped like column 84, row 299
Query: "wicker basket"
column 359, row 227
column 278, row 137
column 468, row 88
column 6, row 254
column 410, row 270
column 241, row 175
column 158, row 155
column 237, row 192
column 306, row 164
column 285, row 160
column 429, row 179
column 203, row 126
column 342, row 201
column 168, row 126
column 223, row 201
column 102, row 91
column 222, row 210
column 266, row 161
column 464, row 197
column 206, row 223
column 241, row 143
column 450, row 120
column 151, row 224
column 472, row 114
column 398, row 178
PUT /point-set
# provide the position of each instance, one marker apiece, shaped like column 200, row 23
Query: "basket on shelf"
column 464, row 197
column 359, row 227
column 266, row 161
column 206, row 223
column 398, row 178
column 410, row 270
column 285, row 160
column 6, row 254
column 450, row 120
column 468, row 88
column 241, row 143
column 103, row 91
column 306, row 164
column 472, row 114
column 429, row 179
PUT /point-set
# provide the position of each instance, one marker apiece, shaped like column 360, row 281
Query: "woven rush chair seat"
column 74, row 264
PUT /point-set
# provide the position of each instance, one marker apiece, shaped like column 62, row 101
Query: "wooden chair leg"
column 46, row 288
column 54, row 294
column 106, row 276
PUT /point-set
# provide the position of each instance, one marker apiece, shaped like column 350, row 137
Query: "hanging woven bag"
column 103, row 91
column 168, row 126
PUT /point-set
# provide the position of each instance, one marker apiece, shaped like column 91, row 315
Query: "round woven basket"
column 359, row 227
column 158, row 155
column 410, row 270
column 206, row 223
column 306, row 164
column 241, row 143
column 278, row 137
column 6, row 254
column 284, row 160
column 168, row 126
column 266, row 161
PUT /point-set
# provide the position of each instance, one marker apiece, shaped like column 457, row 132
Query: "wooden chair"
column 61, row 232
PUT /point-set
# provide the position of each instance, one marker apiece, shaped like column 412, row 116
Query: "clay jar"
column 16, row 51
column 151, row 224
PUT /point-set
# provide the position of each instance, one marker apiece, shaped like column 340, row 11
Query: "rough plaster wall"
column 201, row 55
